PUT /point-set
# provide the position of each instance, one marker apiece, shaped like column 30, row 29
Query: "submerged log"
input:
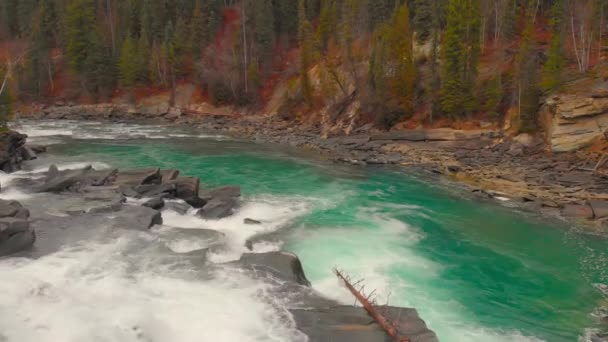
column 382, row 321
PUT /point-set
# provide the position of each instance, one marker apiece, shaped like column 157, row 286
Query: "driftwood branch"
column 382, row 321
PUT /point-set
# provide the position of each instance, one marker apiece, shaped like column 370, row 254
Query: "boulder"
column 169, row 175
column 283, row 265
column 155, row 203
column 11, row 225
column 224, row 192
column 136, row 217
column 74, row 180
column 37, row 148
column 347, row 323
column 9, row 208
column 578, row 211
column 166, row 190
column 600, row 208
column 17, row 242
column 138, row 177
column 10, row 150
column 218, row 208
column 27, row 153
column 186, row 187
column 179, row 208
column 196, row 202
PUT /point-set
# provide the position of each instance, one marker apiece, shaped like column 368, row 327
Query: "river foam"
column 109, row 292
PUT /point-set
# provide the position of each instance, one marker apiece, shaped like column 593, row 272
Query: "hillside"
column 339, row 63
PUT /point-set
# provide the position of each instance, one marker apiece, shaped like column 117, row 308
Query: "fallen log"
column 382, row 321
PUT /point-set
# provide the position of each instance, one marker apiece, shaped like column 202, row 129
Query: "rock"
column 27, row 153
column 600, row 208
column 155, row 203
column 180, row 208
column 138, row 177
column 106, row 208
column 578, row 211
column 11, row 143
column 454, row 168
column 23, row 213
column 168, row 175
column 10, row 226
column 186, row 187
column 52, row 172
column 218, row 208
column 136, row 217
column 63, row 180
column 196, row 202
column 37, row 148
column 9, row 208
column 224, row 192
column 17, row 242
column 347, row 323
column 251, row 221
column 283, row 265
column 156, row 190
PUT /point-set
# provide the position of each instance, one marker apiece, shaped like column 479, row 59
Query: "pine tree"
column 6, row 107
column 99, row 70
column 327, row 22
column 461, row 50
column 402, row 56
column 528, row 93
column 423, row 19
column 128, row 63
column 306, row 53
column 553, row 68
column 80, row 30
column 263, row 31
column 143, row 58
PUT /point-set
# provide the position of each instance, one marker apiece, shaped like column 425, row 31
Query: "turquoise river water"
column 476, row 271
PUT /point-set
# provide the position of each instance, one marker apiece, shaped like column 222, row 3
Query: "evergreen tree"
column 553, row 68
column 128, row 64
column 327, row 22
column 6, row 107
column 528, row 93
column 99, row 69
column 143, row 58
column 423, row 19
column 461, row 50
column 80, row 30
column 263, row 30
column 306, row 53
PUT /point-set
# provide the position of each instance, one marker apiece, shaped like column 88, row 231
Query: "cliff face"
column 573, row 121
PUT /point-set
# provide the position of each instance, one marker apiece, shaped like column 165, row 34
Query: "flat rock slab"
column 9, row 208
column 138, row 177
column 578, row 211
column 600, row 208
column 353, row 324
column 283, row 265
column 136, row 217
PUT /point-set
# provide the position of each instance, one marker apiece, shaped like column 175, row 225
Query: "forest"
column 423, row 59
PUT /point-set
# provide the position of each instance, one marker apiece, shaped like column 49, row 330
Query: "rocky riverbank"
column 136, row 200
column 491, row 165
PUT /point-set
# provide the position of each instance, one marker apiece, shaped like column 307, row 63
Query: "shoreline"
column 484, row 162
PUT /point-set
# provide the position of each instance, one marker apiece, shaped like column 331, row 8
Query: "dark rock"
column 283, row 265
column 224, row 192
column 138, row 177
column 251, row 221
column 600, row 208
column 136, row 217
column 249, row 245
column 195, row 202
column 10, row 150
column 218, row 208
column 578, row 211
column 180, row 208
column 11, row 225
column 22, row 213
column 186, row 187
column 17, row 242
column 37, row 148
column 27, row 153
column 454, row 168
column 107, row 208
column 155, row 203
column 59, row 181
column 353, row 324
column 52, row 172
column 156, row 190
column 169, row 175
column 9, row 208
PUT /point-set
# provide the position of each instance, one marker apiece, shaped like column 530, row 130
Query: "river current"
column 475, row 270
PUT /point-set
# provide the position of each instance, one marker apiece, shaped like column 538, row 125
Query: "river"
column 475, row 270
